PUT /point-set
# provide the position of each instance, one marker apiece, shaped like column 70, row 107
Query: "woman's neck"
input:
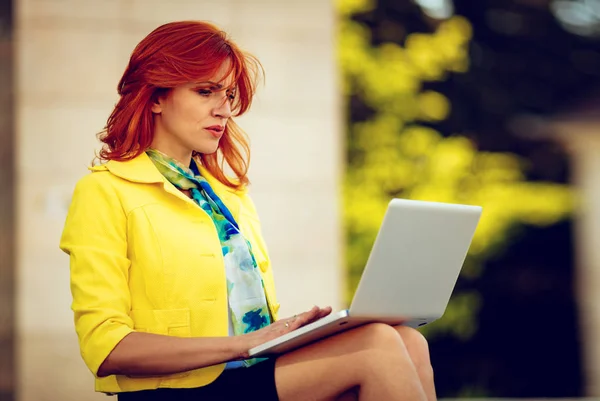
column 183, row 156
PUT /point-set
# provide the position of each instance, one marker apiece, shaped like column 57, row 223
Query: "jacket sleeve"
column 95, row 237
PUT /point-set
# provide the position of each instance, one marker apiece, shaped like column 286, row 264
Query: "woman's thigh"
column 335, row 365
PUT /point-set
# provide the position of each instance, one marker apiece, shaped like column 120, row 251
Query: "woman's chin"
column 207, row 150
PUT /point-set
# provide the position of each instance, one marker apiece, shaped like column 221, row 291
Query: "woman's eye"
column 204, row 92
column 231, row 94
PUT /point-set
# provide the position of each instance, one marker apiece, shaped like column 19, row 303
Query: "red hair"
column 174, row 54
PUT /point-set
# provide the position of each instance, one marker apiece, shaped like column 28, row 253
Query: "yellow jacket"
column 144, row 257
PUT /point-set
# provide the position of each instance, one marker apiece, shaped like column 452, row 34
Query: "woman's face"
column 193, row 117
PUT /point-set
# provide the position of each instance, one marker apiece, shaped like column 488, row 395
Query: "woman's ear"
column 156, row 107
column 157, row 101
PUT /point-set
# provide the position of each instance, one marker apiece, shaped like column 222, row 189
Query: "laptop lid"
column 415, row 260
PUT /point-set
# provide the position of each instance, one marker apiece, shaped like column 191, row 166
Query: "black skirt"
column 254, row 383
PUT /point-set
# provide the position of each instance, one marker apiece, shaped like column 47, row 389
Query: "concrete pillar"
column 582, row 139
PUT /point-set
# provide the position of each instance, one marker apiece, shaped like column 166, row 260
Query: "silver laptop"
column 410, row 274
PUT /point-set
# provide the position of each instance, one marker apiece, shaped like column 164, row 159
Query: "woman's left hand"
column 308, row 317
column 282, row 326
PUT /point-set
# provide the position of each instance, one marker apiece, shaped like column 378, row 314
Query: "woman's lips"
column 216, row 130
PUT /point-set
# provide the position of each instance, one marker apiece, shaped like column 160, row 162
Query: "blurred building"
column 69, row 56
column 578, row 130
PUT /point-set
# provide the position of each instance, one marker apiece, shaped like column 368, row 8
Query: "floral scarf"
column 245, row 288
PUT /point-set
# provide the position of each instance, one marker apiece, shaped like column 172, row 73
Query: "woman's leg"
column 418, row 350
column 351, row 395
column 371, row 358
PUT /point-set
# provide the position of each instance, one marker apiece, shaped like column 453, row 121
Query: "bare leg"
column 371, row 358
column 418, row 349
column 351, row 395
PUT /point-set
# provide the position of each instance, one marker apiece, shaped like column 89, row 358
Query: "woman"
column 170, row 276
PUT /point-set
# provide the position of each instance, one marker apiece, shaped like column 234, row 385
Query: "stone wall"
column 70, row 55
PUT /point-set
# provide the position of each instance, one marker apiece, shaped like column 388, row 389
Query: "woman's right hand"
column 281, row 327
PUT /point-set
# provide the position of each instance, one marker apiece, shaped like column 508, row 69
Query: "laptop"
column 409, row 276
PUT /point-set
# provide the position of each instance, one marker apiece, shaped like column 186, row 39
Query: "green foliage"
column 391, row 155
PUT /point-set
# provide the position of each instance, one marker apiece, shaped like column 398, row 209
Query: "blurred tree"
column 393, row 151
column 515, row 57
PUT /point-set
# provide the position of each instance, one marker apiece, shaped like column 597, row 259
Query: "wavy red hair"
column 174, row 54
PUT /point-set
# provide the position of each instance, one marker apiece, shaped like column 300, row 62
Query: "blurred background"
column 487, row 102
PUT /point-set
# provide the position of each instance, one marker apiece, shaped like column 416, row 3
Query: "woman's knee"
column 380, row 336
column 417, row 346
column 413, row 339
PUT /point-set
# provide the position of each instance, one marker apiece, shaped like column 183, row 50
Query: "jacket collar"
column 141, row 169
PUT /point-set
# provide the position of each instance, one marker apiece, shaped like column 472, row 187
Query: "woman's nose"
column 223, row 109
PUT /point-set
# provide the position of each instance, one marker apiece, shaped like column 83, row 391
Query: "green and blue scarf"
column 245, row 288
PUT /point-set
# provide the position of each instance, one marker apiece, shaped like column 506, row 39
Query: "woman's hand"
column 281, row 327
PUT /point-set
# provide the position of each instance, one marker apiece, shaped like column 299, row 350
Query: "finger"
column 316, row 316
column 321, row 313
column 290, row 324
column 324, row 312
column 293, row 323
column 313, row 310
column 304, row 316
column 312, row 314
